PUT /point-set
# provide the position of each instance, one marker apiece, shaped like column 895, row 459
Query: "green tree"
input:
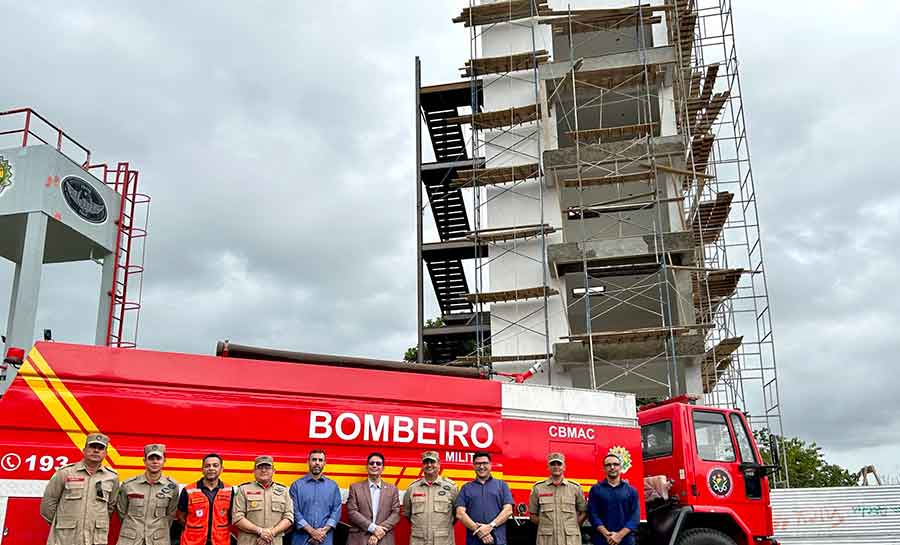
column 806, row 464
column 412, row 354
column 413, row 351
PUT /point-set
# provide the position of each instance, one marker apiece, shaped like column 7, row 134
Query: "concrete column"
column 109, row 266
column 26, row 289
column 27, row 283
column 691, row 376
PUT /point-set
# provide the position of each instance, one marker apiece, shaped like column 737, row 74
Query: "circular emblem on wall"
column 719, row 482
column 623, row 455
column 6, row 174
column 83, row 199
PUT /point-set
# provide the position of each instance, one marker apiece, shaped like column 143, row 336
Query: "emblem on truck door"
column 6, row 174
column 719, row 482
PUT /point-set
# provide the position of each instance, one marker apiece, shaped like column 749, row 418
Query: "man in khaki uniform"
column 429, row 504
column 557, row 506
column 80, row 496
column 147, row 502
column 263, row 510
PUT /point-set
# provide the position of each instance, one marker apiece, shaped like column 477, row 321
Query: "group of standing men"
column 80, row 497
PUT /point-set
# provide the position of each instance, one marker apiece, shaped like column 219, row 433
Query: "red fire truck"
column 241, row 408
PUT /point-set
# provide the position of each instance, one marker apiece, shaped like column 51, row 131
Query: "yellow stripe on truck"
column 59, row 401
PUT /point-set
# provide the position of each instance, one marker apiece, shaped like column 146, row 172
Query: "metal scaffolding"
column 637, row 131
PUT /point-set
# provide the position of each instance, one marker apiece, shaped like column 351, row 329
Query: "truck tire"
column 704, row 536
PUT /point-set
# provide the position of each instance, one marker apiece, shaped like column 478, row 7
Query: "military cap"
column 96, row 439
column 430, row 455
column 263, row 460
column 155, row 448
column 556, row 457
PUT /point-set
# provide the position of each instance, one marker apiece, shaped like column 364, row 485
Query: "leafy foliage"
column 806, row 465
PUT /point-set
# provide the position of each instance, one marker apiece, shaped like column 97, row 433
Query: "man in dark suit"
column 373, row 507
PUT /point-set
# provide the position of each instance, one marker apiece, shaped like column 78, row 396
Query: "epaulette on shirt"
column 67, row 465
column 129, row 479
column 110, row 469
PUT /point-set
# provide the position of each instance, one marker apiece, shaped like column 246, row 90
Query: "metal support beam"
column 420, row 288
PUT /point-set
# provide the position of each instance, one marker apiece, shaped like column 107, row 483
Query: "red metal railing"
column 30, row 128
column 33, row 125
column 132, row 223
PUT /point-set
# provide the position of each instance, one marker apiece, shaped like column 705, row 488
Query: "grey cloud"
column 277, row 145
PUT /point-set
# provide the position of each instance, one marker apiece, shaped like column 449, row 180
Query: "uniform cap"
column 96, row 439
column 155, row 448
column 556, row 457
column 430, row 455
column 262, row 460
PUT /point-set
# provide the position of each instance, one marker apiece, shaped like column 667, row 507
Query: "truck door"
column 757, row 511
column 717, row 475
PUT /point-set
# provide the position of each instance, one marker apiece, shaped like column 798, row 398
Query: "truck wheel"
column 704, row 536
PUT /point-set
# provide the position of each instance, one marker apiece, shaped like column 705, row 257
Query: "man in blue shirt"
column 484, row 505
column 317, row 504
column 613, row 506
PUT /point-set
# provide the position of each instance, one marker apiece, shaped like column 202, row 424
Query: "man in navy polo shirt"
column 484, row 505
column 613, row 506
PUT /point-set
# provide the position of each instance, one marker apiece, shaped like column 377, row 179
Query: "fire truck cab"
column 719, row 486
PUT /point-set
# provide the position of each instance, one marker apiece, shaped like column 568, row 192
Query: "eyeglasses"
column 376, row 463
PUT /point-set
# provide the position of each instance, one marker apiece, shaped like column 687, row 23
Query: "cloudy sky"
column 277, row 143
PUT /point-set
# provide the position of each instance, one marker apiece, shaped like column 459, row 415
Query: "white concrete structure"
column 519, row 327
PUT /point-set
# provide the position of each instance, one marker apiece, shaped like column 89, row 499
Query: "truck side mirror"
column 773, row 450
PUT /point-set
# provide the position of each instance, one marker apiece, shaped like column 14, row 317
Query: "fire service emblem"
column 6, row 174
column 719, row 482
column 623, row 455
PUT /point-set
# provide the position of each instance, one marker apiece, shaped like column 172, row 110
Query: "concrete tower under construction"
column 595, row 206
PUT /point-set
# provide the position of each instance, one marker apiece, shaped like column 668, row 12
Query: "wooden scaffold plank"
column 502, row 12
column 470, row 360
column 504, row 64
column 706, row 118
column 591, row 20
column 612, row 178
column 511, row 295
column 713, row 287
column 717, row 360
column 701, row 148
column 594, row 136
column 504, row 234
column 614, row 78
column 495, row 175
column 500, row 118
column 710, row 218
column 637, row 335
